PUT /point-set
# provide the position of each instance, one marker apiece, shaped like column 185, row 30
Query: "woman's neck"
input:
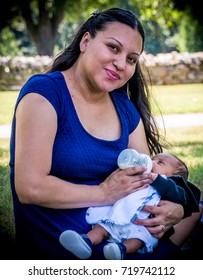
column 80, row 88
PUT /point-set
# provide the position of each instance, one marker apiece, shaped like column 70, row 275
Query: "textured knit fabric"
column 78, row 157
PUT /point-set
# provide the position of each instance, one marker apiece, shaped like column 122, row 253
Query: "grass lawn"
column 7, row 101
column 179, row 99
column 172, row 99
column 186, row 143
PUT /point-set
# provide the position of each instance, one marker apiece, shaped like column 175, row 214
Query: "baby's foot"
column 78, row 244
column 114, row 251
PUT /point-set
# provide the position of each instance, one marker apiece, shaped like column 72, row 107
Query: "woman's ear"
column 84, row 41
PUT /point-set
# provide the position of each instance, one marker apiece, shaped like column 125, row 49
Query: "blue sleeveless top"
column 78, row 157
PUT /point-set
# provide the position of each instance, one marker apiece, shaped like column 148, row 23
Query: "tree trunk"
column 44, row 38
column 43, row 22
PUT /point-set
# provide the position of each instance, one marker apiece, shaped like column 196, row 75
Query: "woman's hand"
column 124, row 182
column 167, row 214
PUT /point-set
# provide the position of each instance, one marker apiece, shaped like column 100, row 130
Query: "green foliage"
column 166, row 28
column 15, row 41
column 8, row 44
column 160, row 20
column 65, row 35
column 88, row 6
column 80, row 12
column 190, row 34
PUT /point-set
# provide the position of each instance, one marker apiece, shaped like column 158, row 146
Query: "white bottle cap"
column 130, row 157
column 127, row 158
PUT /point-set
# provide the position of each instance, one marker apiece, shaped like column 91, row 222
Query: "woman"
column 68, row 129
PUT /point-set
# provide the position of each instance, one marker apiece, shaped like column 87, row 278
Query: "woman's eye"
column 113, row 48
column 132, row 60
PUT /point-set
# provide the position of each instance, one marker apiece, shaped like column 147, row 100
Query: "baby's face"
column 163, row 164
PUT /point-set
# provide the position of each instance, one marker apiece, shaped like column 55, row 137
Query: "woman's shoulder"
column 44, row 78
column 49, row 85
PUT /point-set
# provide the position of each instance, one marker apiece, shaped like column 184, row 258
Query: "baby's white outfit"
column 117, row 219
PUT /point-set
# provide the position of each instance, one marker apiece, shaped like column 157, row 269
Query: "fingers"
column 133, row 170
column 135, row 176
column 159, row 229
column 124, row 182
column 154, row 210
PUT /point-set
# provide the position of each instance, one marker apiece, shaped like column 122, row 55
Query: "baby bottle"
column 130, row 157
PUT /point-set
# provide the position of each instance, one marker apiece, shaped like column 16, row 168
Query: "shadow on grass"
column 7, row 231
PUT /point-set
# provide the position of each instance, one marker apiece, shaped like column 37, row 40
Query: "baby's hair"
column 181, row 168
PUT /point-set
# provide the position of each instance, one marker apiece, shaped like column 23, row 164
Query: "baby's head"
column 169, row 165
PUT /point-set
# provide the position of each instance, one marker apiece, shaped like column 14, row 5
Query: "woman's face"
column 108, row 61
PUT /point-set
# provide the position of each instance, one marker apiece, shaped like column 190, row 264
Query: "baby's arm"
column 178, row 193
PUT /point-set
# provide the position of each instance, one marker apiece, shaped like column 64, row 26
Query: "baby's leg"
column 97, row 234
column 132, row 245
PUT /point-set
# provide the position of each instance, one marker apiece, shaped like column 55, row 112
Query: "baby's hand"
column 153, row 176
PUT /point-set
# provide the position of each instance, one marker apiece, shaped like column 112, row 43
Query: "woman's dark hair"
column 136, row 87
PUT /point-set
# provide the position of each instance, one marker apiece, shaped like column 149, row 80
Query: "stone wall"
column 164, row 69
column 174, row 68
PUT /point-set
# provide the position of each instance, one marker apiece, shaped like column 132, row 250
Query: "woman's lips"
column 113, row 75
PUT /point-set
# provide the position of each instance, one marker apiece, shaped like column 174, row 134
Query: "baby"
column 115, row 223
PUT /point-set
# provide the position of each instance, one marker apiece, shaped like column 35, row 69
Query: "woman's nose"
column 120, row 62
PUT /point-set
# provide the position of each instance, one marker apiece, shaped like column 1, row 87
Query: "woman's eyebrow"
column 122, row 44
